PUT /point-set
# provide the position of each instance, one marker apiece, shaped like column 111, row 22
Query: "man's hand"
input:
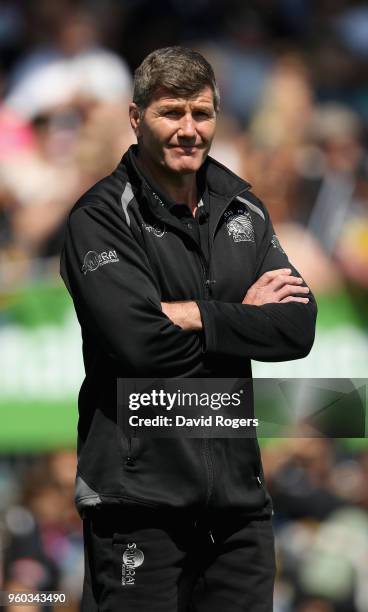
column 276, row 286
column 184, row 314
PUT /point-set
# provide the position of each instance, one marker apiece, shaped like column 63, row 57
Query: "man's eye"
column 172, row 113
column 202, row 114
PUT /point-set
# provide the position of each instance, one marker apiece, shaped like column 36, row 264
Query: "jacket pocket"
column 131, row 443
column 260, row 478
column 133, row 448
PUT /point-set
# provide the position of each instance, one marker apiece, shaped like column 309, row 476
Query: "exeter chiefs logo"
column 156, row 229
column 239, row 225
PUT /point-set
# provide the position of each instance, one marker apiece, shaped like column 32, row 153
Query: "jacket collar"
column 220, row 181
column 142, row 183
column 222, row 184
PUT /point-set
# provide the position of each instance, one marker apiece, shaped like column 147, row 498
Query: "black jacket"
column 128, row 248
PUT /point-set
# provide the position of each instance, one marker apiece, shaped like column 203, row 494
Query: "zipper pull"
column 259, row 482
column 211, row 537
column 209, row 284
column 202, row 213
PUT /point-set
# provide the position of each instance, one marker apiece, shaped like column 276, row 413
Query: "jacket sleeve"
column 271, row 332
column 116, row 298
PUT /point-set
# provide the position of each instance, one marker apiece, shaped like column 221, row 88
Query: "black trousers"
column 146, row 560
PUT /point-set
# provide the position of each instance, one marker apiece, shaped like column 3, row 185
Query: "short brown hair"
column 182, row 71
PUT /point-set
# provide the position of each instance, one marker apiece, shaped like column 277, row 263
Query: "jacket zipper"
column 206, row 442
column 205, row 274
column 210, row 471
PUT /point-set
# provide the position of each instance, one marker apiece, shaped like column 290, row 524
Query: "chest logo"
column 158, row 229
column 239, row 225
column 93, row 260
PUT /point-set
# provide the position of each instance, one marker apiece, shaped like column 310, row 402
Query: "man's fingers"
column 269, row 276
column 292, row 298
column 287, row 290
column 276, row 286
column 283, row 279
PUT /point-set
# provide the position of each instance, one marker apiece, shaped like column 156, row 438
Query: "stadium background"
column 293, row 76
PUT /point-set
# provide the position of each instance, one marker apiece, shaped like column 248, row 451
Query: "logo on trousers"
column 133, row 557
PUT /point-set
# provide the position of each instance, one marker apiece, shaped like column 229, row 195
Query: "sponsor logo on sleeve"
column 93, row 260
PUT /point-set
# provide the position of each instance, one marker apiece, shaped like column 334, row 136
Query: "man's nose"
column 187, row 127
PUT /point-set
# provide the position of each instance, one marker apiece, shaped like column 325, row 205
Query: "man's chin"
column 188, row 169
column 186, row 164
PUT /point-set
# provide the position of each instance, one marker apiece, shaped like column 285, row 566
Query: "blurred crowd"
column 41, row 543
column 293, row 76
column 320, row 497
column 293, row 120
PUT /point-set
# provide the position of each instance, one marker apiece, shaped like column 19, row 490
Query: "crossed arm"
column 119, row 305
column 275, row 286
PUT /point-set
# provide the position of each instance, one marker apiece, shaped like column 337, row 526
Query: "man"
column 175, row 271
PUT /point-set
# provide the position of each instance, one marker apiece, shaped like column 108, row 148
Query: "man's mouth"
column 185, row 147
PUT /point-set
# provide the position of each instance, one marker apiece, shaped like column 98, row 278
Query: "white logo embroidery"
column 93, row 260
column 239, row 225
column 133, row 557
column 276, row 244
column 156, row 229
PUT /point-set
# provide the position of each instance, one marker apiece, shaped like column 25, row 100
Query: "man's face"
column 176, row 133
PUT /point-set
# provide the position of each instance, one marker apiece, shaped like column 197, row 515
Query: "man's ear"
column 135, row 118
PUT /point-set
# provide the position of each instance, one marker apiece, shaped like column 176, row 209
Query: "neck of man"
column 181, row 188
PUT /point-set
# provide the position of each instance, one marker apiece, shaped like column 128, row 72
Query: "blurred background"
column 293, row 75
